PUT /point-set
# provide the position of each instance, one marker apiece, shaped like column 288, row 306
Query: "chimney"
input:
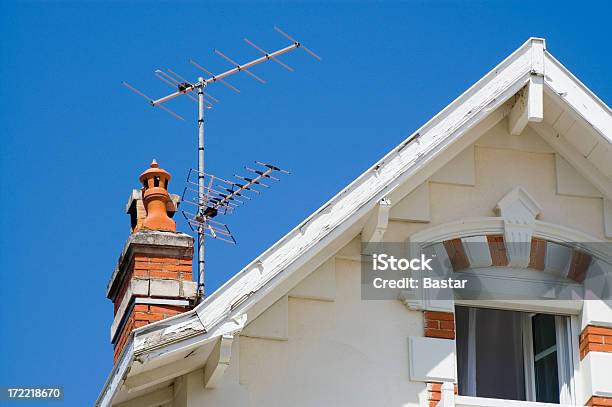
column 153, row 278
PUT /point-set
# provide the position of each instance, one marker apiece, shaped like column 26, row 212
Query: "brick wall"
column 595, row 339
column 439, row 324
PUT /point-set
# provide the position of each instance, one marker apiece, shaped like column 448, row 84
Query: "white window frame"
column 565, row 361
column 567, row 333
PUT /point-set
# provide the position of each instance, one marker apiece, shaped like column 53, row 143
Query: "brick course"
column 595, row 339
column 439, row 324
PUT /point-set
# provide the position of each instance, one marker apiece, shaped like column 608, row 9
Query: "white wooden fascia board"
column 575, row 94
column 570, row 154
column 156, row 345
column 117, row 375
column 174, row 329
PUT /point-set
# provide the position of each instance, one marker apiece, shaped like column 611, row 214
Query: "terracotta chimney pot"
column 155, row 196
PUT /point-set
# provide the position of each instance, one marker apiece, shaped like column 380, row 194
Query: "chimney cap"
column 154, row 170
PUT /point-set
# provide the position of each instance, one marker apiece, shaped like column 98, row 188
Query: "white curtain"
column 490, row 353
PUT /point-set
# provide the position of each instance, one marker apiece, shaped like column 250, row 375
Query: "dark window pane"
column 546, row 378
column 545, row 358
column 543, row 332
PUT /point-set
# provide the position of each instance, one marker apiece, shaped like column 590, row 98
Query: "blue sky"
column 74, row 140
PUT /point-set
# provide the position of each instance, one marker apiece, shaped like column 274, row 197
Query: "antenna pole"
column 201, row 200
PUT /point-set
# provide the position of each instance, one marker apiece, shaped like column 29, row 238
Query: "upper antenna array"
column 215, row 195
column 185, row 87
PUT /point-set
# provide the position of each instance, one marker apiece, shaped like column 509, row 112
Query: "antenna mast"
column 212, row 199
column 201, row 195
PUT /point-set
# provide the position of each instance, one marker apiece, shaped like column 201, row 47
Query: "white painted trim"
column 528, row 357
column 565, row 359
column 467, row 401
column 218, row 362
column 376, row 226
column 575, row 94
column 117, row 375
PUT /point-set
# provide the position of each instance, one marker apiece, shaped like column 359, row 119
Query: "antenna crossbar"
column 219, row 77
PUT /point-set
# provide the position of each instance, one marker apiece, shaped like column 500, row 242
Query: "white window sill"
column 467, row 401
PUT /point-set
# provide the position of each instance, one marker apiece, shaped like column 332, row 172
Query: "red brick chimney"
column 152, row 280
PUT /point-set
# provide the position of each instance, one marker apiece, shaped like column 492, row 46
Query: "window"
column 513, row 355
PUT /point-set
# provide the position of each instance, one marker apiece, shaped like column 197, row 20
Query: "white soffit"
column 577, row 119
column 461, row 170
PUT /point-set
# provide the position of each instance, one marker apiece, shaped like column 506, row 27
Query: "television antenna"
column 209, row 194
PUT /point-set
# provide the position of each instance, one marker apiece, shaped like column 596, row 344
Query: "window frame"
column 566, row 334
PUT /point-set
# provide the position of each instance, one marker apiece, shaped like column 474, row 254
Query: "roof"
column 273, row 273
